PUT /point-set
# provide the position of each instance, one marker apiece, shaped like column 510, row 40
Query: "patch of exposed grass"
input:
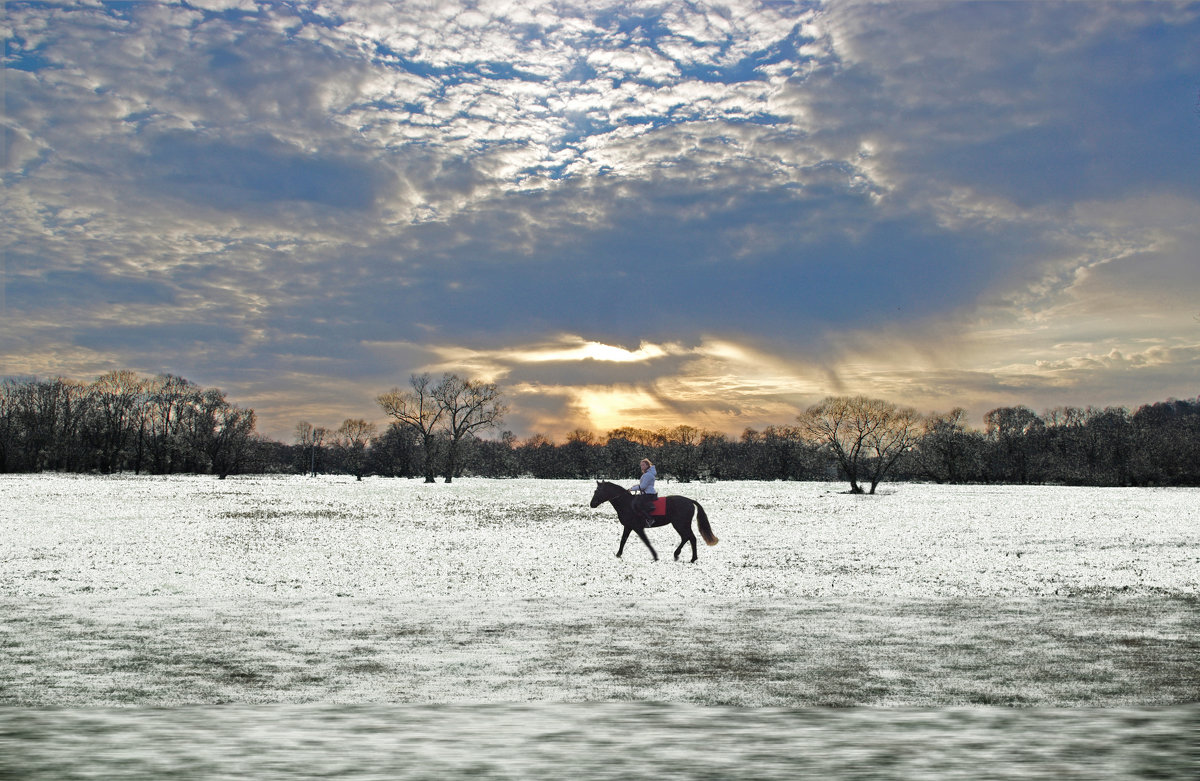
column 1077, row 652
column 597, row 740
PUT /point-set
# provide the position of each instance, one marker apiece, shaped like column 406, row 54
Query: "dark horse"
column 679, row 515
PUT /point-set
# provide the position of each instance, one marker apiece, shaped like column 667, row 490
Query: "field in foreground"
column 190, row 613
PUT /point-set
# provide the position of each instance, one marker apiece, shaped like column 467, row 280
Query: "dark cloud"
column 656, row 273
column 1042, row 104
column 257, row 172
column 30, row 291
column 160, row 338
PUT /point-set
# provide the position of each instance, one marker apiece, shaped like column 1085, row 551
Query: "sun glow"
column 608, row 408
column 573, row 348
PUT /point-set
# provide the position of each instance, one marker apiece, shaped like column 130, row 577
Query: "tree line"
column 165, row 424
column 122, row 422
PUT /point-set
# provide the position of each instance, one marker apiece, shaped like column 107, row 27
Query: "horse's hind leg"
column 685, row 536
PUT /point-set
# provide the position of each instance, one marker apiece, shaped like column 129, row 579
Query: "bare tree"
column 581, row 452
column 947, row 451
column 351, row 440
column 311, row 438
column 232, row 438
column 419, row 410
column 169, row 397
column 1017, row 434
column 468, row 406
column 867, row 436
column 678, row 452
column 56, row 411
column 114, row 397
column 218, row 434
column 625, row 446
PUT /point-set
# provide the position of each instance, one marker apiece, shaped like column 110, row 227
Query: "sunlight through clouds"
column 718, row 384
column 599, row 409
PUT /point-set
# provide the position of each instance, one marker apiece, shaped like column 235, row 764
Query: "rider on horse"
column 644, row 504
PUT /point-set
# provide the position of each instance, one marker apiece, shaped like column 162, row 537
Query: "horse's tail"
column 702, row 521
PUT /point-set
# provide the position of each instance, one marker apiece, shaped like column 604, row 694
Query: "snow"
column 502, row 541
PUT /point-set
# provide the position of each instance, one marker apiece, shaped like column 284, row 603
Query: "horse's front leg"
column 624, row 536
column 642, row 533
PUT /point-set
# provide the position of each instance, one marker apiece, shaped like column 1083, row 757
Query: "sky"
column 623, row 213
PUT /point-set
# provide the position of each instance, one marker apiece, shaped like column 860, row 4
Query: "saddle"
column 659, row 507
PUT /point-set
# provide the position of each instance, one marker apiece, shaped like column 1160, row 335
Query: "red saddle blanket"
column 660, row 506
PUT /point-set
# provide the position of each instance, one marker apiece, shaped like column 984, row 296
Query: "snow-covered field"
column 502, row 541
column 257, row 626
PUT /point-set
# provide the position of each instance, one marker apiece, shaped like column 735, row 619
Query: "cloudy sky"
column 625, row 213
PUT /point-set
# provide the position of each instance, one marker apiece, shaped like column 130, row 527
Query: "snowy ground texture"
column 284, row 627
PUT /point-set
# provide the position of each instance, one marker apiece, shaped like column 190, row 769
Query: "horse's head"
column 605, row 492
